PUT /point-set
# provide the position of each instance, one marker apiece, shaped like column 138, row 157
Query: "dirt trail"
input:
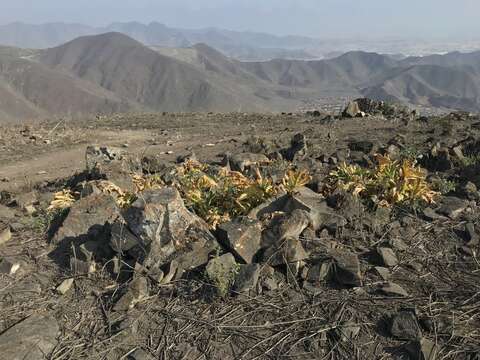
column 63, row 162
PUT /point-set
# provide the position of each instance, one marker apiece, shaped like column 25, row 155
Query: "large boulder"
column 87, row 218
column 162, row 222
column 352, row 110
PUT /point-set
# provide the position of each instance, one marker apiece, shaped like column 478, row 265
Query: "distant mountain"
column 134, row 72
column 241, row 45
column 29, row 90
column 112, row 72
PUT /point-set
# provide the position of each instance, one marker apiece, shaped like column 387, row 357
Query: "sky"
column 315, row 18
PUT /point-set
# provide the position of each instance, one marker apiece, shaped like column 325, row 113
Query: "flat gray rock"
column 34, row 339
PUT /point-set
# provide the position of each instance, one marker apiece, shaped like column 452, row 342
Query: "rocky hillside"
column 341, row 237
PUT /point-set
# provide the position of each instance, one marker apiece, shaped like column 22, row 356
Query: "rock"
column 346, row 267
column 423, row 349
column 404, row 326
column 6, row 213
column 9, row 266
column 362, row 146
column 298, row 148
column 65, row 286
column 137, row 292
column 383, row 272
column 286, row 225
column 351, row 110
column 314, row 204
column 473, row 238
column 240, row 162
column 392, row 289
column 221, row 271
column 247, row 278
column 33, row 338
column 140, row 354
column 388, row 256
column 87, row 218
column 81, row 267
column 432, row 215
column 242, row 236
column 268, row 281
column 288, row 251
column 293, row 224
column 5, row 236
column 122, row 239
column 99, row 156
column 319, row 272
column 161, row 220
column 398, row 244
column 452, row 207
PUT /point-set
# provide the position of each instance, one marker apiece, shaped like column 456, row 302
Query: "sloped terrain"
column 144, row 270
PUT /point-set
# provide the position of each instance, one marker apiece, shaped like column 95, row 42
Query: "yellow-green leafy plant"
column 61, row 200
column 219, row 196
column 294, row 179
column 390, row 182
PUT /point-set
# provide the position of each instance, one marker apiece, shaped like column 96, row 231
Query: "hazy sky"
column 318, row 18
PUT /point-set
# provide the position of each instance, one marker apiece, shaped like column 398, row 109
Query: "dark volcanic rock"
column 289, row 250
column 388, row 256
column 452, row 207
column 247, row 278
column 404, row 325
column 346, row 267
column 242, row 236
column 87, row 219
column 297, row 149
column 423, row 349
column 161, row 220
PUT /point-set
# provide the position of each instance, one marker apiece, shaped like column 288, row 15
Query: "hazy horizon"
column 433, row 19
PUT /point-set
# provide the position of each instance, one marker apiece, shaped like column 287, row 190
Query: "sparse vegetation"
column 222, row 195
column 471, row 160
column 444, row 186
column 388, row 183
column 216, row 195
column 294, row 179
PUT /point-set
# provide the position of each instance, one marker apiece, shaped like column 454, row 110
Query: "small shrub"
column 471, row 160
column 388, row 183
column 444, row 186
column 294, row 179
column 219, row 197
